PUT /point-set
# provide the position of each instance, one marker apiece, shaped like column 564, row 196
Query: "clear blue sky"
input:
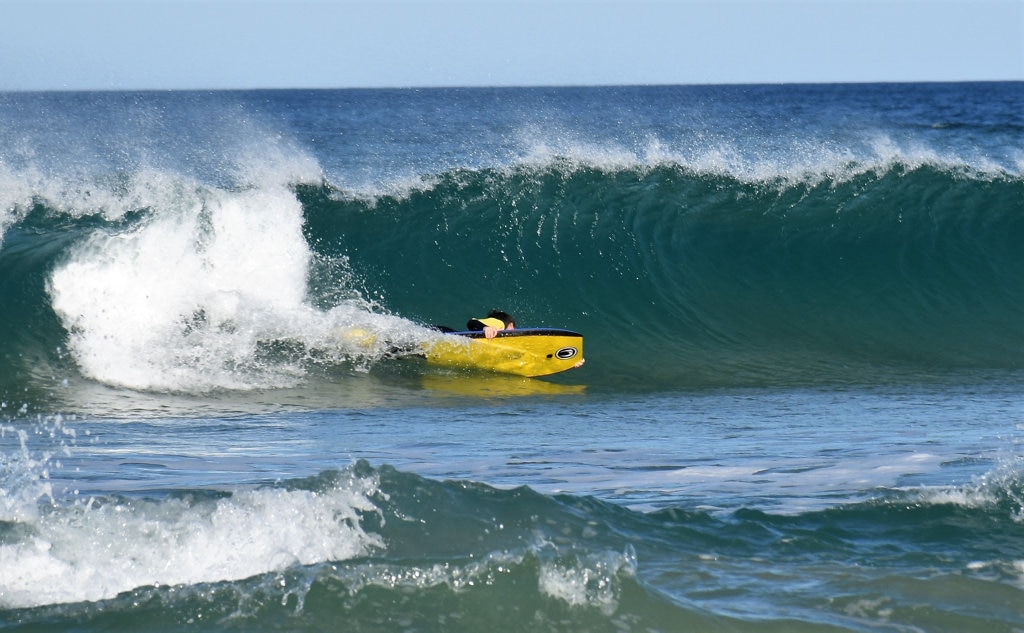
column 181, row 44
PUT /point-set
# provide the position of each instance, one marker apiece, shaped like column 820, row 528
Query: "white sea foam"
column 1001, row 485
column 94, row 551
column 184, row 300
column 592, row 582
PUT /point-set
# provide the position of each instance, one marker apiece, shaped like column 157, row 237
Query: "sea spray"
column 25, row 464
column 191, row 294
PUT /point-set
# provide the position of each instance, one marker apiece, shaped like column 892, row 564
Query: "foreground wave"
column 374, row 546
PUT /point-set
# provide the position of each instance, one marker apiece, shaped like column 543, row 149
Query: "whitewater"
column 801, row 407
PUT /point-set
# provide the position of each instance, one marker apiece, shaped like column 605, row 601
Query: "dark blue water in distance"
column 802, row 407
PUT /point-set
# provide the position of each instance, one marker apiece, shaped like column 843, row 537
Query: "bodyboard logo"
column 565, row 353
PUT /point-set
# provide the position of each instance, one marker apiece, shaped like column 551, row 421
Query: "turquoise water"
column 801, row 408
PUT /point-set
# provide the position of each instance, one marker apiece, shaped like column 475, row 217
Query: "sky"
column 229, row 44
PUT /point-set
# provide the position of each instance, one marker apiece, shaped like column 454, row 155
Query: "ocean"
column 802, row 407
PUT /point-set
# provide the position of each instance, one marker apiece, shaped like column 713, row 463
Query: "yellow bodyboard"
column 525, row 352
